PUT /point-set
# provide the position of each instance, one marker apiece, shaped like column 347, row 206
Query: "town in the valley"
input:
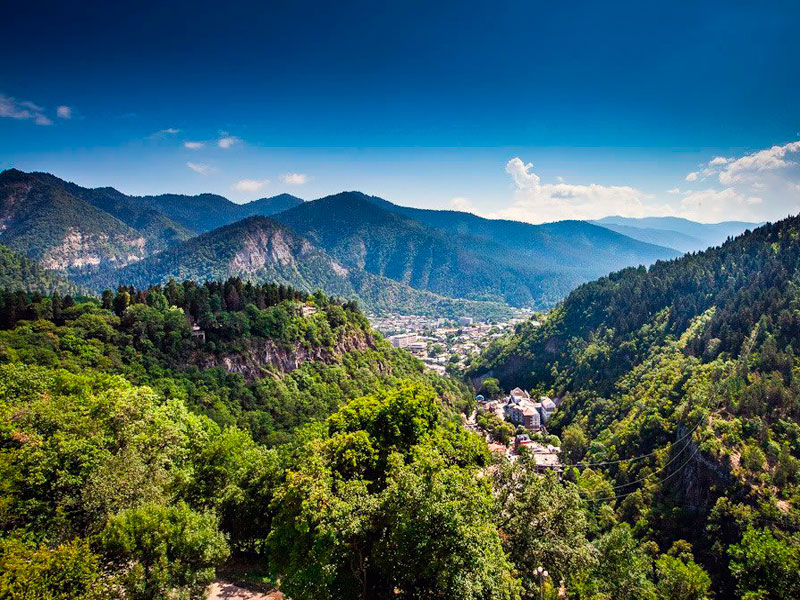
column 512, row 423
column 441, row 343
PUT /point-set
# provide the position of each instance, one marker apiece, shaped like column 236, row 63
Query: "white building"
column 403, row 340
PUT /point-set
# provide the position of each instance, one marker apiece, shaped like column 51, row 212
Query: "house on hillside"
column 545, row 457
column 518, row 394
column 547, row 408
column 198, row 333
column 520, row 409
column 403, row 340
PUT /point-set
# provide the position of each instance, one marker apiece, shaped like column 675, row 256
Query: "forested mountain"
column 680, row 383
column 129, row 466
column 169, row 218
column 260, row 249
column 461, row 255
column 673, row 232
column 392, row 257
column 205, row 212
column 266, row 207
column 362, row 235
column 555, row 256
column 19, row 273
column 60, row 231
column 562, row 246
column 160, row 231
column 140, row 453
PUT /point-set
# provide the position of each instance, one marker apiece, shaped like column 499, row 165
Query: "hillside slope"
column 159, row 230
column 362, row 235
column 18, row 272
column 461, row 255
column 700, row 347
column 61, row 231
column 260, row 249
column 205, row 212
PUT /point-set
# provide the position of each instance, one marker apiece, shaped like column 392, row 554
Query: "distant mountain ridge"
column 61, row 231
column 675, row 232
column 463, row 255
column 349, row 244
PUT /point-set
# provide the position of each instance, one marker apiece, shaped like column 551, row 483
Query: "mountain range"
column 674, row 232
column 349, row 244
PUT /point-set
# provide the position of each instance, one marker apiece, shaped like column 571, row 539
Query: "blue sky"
column 527, row 110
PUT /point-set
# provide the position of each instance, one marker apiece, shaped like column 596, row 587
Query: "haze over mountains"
column 677, row 233
column 349, row 244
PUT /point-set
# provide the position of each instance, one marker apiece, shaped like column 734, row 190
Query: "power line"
column 676, row 471
column 672, row 460
column 635, row 458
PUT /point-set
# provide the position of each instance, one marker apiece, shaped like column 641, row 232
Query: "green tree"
column 574, row 443
column 491, row 387
column 543, row 524
column 680, row 578
column 66, row 572
column 765, row 566
column 164, row 549
column 622, row 567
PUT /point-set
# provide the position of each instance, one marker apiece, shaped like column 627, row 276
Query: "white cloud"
column 762, row 185
column 194, row 145
column 249, row 185
column 462, row 204
column 64, row 112
column 712, row 205
column 163, row 133
column 749, row 167
column 200, row 168
column 537, row 202
column 226, row 141
column 294, row 178
column 12, row 109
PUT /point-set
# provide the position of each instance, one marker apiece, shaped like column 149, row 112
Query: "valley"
column 442, row 343
column 353, row 376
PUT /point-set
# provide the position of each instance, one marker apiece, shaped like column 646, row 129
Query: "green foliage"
column 499, row 429
column 490, row 386
column 68, row 571
column 20, row 273
column 316, row 361
column 680, row 579
column 387, row 504
column 680, row 383
column 544, row 524
column 623, row 567
column 163, row 548
column 766, row 566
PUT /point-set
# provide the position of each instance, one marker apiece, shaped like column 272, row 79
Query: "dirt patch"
column 222, row 590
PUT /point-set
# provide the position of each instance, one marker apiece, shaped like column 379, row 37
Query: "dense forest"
column 18, row 272
column 679, row 403
column 152, row 437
